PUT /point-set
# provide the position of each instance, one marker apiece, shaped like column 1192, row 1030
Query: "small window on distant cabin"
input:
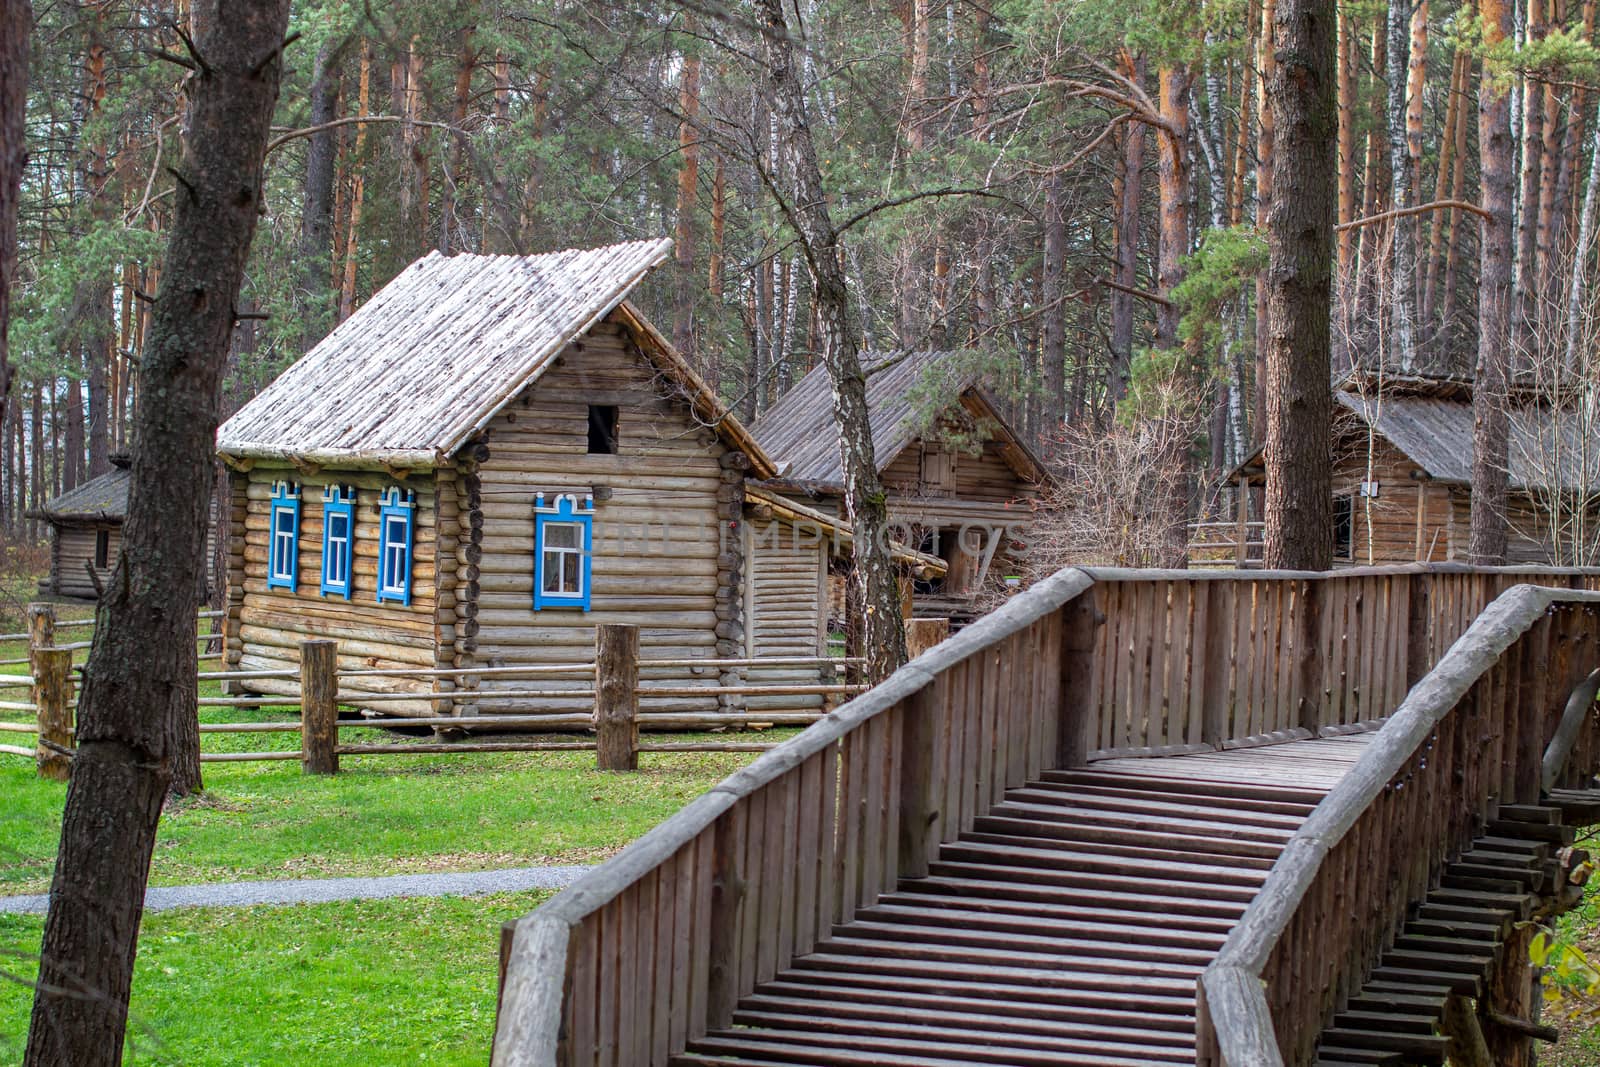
column 602, row 429
column 338, row 539
column 396, row 514
column 1344, row 526
column 563, row 534
column 283, row 557
column 102, row 549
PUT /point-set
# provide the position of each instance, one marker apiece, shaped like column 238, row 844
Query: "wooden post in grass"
column 923, row 634
column 319, row 708
column 52, row 697
column 616, row 691
column 41, row 625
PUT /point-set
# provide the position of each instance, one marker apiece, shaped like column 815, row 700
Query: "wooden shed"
column 86, row 533
column 961, row 484
column 1402, row 454
column 492, row 456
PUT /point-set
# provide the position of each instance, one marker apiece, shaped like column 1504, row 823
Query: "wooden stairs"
column 1453, row 940
column 1067, row 927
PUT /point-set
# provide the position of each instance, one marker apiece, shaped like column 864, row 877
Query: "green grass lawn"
column 361, row 984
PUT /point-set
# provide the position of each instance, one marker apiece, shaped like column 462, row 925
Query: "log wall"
column 1385, row 527
column 785, row 604
column 72, row 549
column 666, row 551
column 265, row 626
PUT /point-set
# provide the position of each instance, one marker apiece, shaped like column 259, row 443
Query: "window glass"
column 1343, row 527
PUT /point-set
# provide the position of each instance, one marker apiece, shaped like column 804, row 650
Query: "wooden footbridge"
column 1131, row 818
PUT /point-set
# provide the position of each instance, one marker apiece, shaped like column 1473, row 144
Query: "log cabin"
column 86, row 533
column 961, row 484
column 1402, row 452
column 488, row 459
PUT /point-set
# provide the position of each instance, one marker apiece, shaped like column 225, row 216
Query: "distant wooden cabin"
column 492, row 456
column 86, row 533
column 959, row 480
column 1403, row 472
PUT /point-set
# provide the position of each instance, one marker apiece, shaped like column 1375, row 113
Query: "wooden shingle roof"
column 102, row 499
column 439, row 351
column 1548, row 446
column 798, row 431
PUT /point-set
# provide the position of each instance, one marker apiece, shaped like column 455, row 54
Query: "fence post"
column 923, row 634
column 319, row 707
column 616, row 692
column 52, row 697
column 1080, row 617
column 41, row 626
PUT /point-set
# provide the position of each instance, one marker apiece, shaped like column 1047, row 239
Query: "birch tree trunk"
column 807, row 212
column 1487, row 541
column 1299, row 522
column 1403, row 229
column 139, row 683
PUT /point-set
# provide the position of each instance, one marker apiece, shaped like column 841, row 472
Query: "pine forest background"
column 1072, row 192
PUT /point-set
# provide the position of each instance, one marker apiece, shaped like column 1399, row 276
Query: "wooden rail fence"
column 323, row 688
column 655, row 947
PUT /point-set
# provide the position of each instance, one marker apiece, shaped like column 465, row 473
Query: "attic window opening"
column 602, row 429
column 102, row 548
column 1344, row 522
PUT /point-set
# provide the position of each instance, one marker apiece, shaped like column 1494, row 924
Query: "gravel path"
column 324, row 890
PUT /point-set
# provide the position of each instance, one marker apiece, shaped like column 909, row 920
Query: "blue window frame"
column 338, row 539
column 396, row 517
column 563, row 539
column 283, row 557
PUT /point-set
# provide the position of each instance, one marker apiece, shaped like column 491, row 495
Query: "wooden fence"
column 656, row 946
column 321, row 688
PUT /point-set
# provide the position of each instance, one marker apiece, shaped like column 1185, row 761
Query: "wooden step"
column 956, row 1030
column 1014, row 852
column 1177, row 807
column 1285, row 800
column 852, row 941
column 1029, row 1016
column 858, row 1050
column 1141, row 984
column 966, row 880
column 1124, row 887
column 1122, row 840
column 1393, row 979
column 1554, row 834
column 1413, row 1048
column 1191, row 821
column 1396, row 1021
column 918, row 893
column 1118, row 934
column 1014, row 946
column 1169, row 1010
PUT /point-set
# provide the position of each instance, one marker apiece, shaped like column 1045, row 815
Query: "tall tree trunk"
column 452, row 232
column 873, row 573
column 1452, row 255
column 1487, row 542
column 1265, row 144
column 1582, row 253
column 1299, row 521
column 1174, row 170
column 1402, row 302
column 1524, row 283
column 316, row 215
column 16, row 21
column 1454, row 113
column 139, row 684
column 1053, row 300
column 1131, row 183
column 1375, row 171
column 688, row 198
column 352, row 243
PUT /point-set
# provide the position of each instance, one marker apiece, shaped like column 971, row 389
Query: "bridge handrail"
column 1087, row 663
column 1506, row 646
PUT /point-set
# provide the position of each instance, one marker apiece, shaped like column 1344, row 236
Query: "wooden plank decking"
column 1067, row 927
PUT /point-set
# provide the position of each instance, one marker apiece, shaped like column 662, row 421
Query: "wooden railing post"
column 1419, row 628
column 616, row 691
column 920, row 719
column 319, row 707
column 1312, row 696
column 1080, row 617
column 923, row 634
column 52, row 697
column 727, row 894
